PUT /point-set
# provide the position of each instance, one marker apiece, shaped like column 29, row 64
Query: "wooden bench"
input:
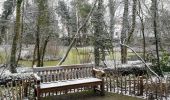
column 67, row 79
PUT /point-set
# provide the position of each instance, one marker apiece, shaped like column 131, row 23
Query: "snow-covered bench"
column 67, row 79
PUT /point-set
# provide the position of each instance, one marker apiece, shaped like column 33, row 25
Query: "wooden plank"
column 37, row 69
column 125, row 85
column 121, row 84
column 129, row 85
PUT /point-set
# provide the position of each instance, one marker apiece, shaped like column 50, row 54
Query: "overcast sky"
column 166, row 4
column 1, row 5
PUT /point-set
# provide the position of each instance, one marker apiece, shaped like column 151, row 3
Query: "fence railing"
column 141, row 86
column 17, row 89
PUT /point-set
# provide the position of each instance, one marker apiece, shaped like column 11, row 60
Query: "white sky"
column 166, row 4
column 1, row 5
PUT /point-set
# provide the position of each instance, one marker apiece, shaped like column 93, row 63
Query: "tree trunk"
column 144, row 42
column 154, row 9
column 130, row 33
column 38, row 46
column 124, row 32
column 43, row 24
column 96, row 56
column 13, row 62
column 112, row 14
column 20, row 38
column 142, row 30
column 34, row 55
column 44, row 50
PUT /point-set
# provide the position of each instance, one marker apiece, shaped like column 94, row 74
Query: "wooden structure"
column 143, row 86
column 67, row 79
column 20, row 89
column 130, row 84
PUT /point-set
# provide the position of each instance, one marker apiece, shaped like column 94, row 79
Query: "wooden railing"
column 140, row 86
column 17, row 89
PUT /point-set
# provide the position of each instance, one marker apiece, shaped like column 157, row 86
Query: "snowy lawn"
column 89, row 95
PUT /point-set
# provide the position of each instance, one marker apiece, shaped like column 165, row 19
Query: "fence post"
column 141, row 85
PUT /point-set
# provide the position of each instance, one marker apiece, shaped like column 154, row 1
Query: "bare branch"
column 141, row 60
column 74, row 38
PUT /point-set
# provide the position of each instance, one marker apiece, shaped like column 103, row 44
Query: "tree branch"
column 141, row 60
column 74, row 38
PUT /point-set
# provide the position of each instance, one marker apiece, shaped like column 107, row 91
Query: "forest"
column 54, row 39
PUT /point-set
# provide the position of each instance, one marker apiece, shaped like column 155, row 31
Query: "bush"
column 164, row 62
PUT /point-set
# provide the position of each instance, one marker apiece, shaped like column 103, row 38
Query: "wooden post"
column 146, row 88
column 121, row 84
column 141, row 85
column 117, row 83
column 107, row 83
column 114, row 83
column 134, row 85
column 37, row 88
column 125, row 85
column 129, row 84
column 25, row 87
column 102, row 88
column 110, row 83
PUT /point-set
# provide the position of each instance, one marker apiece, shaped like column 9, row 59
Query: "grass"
column 29, row 63
column 84, row 55
column 89, row 95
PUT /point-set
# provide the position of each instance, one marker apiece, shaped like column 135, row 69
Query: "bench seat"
column 65, row 83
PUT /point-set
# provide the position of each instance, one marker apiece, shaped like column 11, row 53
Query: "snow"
column 68, row 82
column 16, row 76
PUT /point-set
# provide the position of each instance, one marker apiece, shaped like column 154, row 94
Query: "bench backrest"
column 61, row 73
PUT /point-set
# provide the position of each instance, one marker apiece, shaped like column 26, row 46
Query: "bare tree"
column 124, row 31
column 130, row 33
column 13, row 62
column 154, row 14
column 112, row 9
column 141, row 14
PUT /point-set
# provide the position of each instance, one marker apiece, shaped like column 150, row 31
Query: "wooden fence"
column 17, row 90
column 140, row 86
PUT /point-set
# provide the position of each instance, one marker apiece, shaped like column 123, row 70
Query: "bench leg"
column 66, row 91
column 102, row 93
column 94, row 89
column 37, row 94
column 25, row 90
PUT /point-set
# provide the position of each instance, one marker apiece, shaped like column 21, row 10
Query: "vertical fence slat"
column 125, row 85
column 129, row 85
column 121, row 84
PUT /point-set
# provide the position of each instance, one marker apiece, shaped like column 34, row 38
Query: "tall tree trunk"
column 2, row 34
column 97, row 22
column 144, row 42
column 42, row 21
column 130, row 33
column 154, row 9
column 44, row 50
column 22, row 30
column 112, row 14
column 140, row 14
column 38, row 46
column 13, row 62
column 34, row 55
column 124, row 32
